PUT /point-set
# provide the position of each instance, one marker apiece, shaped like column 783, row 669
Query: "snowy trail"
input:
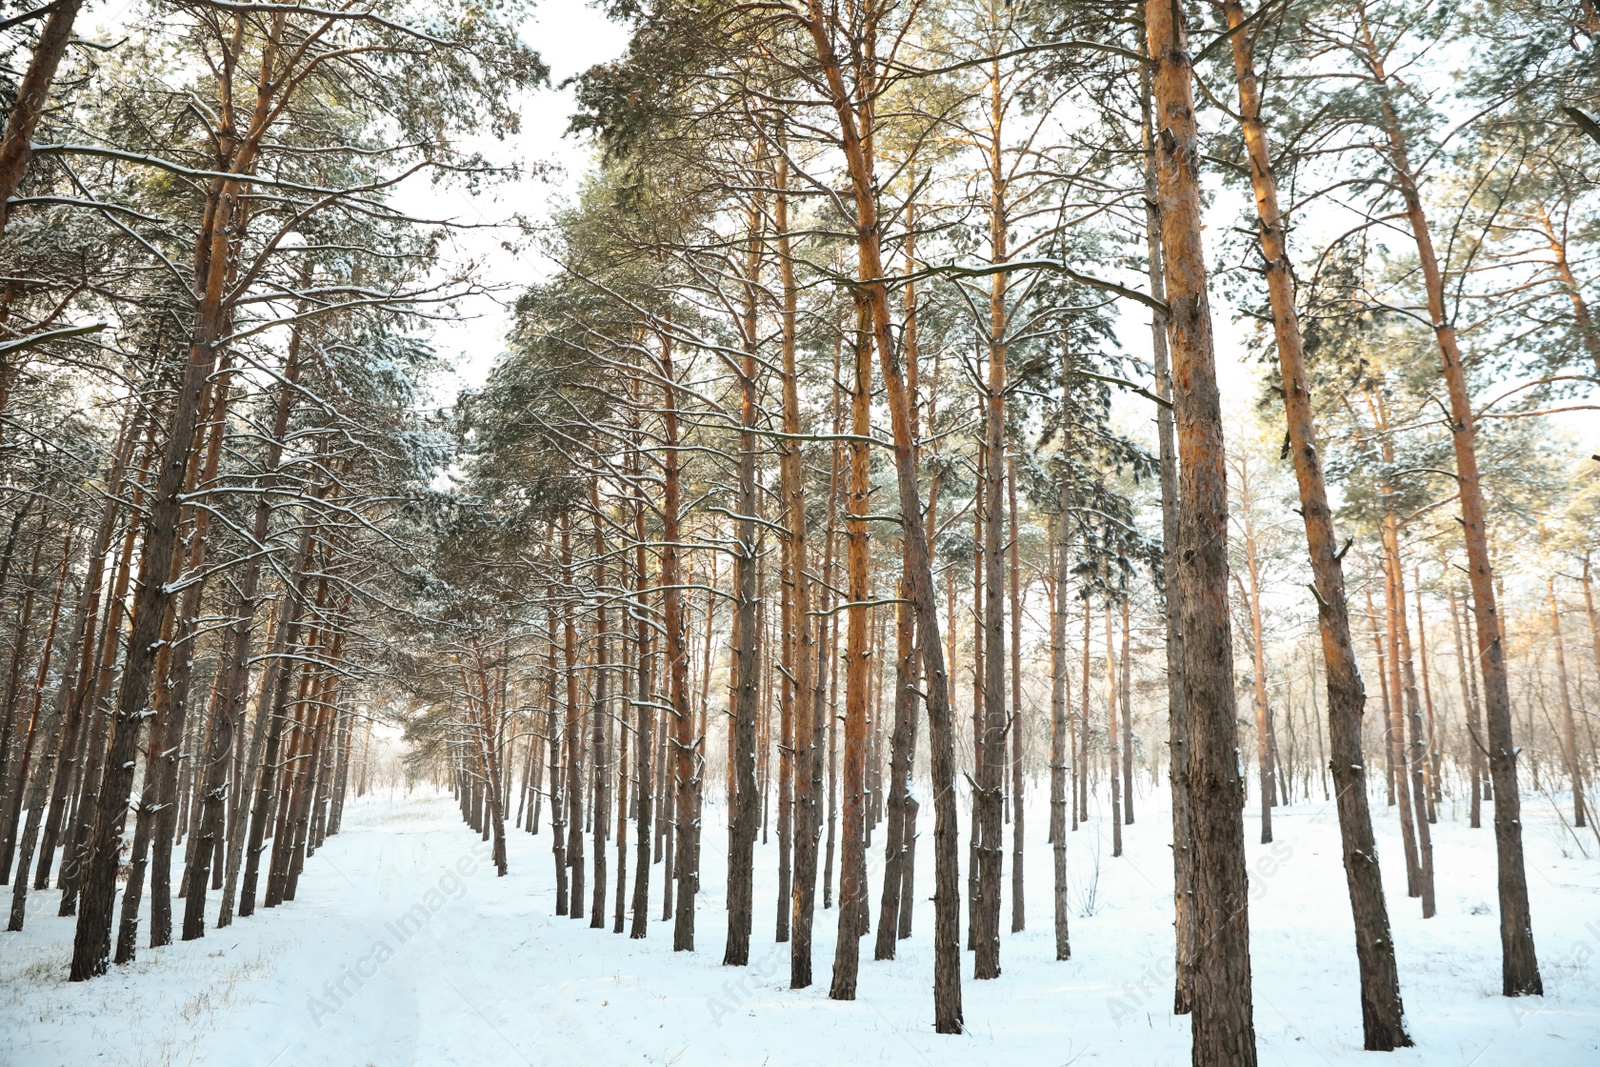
column 404, row 948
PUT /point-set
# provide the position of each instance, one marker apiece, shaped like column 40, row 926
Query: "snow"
column 404, row 948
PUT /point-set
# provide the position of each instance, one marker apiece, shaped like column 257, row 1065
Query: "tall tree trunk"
column 979, row 681
column 1223, row 1029
column 1113, row 742
column 809, row 830
column 1394, row 740
column 573, row 773
column 1184, row 949
column 236, row 669
column 553, row 734
column 1519, row 960
column 600, row 718
column 745, row 803
column 58, row 730
column 858, row 665
column 94, row 725
column 796, row 802
column 21, row 651
column 1382, row 1012
column 271, row 704
column 1059, row 712
column 645, row 710
column 900, row 833
column 1126, row 692
column 1258, row 656
column 23, row 763
column 686, row 752
column 947, row 904
column 1431, row 762
column 1018, row 910
column 990, row 756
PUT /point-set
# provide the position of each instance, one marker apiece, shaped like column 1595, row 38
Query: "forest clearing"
column 799, row 531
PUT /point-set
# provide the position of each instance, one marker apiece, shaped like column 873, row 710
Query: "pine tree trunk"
column 574, row 741
column 1415, row 755
column 812, row 720
column 1018, row 909
column 1258, row 660
column 1113, row 744
column 795, row 752
column 686, row 752
column 1382, row 1013
column 1223, row 1029
column 947, row 946
column 94, row 725
column 14, row 742
column 1431, row 760
column 1519, row 960
column 57, row 731
column 600, row 723
column 553, row 734
column 744, row 802
column 1059, row 712
column 645, row 710
column 172, row 697
column 858, row 665
column 1126, row 691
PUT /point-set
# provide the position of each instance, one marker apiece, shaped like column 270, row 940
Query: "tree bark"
column 1223, row 1028
column 1519, row 960
column 1382, row 1012
column 1018, row 909
column 858, row 664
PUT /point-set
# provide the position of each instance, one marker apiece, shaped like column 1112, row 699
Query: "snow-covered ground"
column 404, row 948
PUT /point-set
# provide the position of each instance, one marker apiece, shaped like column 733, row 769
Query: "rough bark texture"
column 1519, row 961
column 744, row 808
column 1382, row 1013
column 1224, row 1031
column 1177, row 713
column 858, row 665
column 685, row 761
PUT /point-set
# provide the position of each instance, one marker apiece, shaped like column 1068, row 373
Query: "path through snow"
column 404, row 948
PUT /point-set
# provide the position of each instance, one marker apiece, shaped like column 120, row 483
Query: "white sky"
column 570, row 36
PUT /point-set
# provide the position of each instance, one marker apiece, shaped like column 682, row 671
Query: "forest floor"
column 442, row 963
